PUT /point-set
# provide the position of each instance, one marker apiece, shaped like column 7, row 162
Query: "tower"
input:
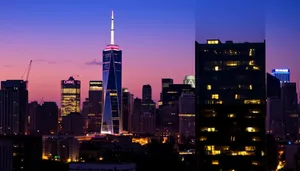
column 112, row 86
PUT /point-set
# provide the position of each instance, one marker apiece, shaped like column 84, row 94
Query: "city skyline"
column 62, row 38
column 66, row 39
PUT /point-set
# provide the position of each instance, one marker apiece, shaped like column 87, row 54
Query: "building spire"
column 112, row 31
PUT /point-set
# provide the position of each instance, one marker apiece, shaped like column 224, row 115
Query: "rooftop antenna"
column 112, row 31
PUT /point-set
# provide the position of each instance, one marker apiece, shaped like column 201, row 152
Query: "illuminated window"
column 251, row 63
column 255, row 68
column 219, row 102
column 213, row 42
column 69, row 91
column 255, row 139
column 251, row 52
column 236, row 96
column 209, row 129
column 215, row 96
column 253, row 101
column 252, row 129
column 113, row 94
column 203, row 138
column 216, row 68
column 256, row 163
column 254, row 111
column 250, row 148
column 215, row 162
column 208, row 87
column 262, row 153
column 232, row 138
column 231, row 115
column 208, row 115
column 250, row 87
column 232, row 63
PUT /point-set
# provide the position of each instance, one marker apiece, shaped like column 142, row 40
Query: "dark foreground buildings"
column 231, row 106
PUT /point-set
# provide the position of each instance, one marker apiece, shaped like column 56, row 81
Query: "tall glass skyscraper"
column 70, row 96
column 112, row 86
column 282, row 74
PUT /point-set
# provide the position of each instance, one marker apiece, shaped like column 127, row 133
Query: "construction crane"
column 28, row 72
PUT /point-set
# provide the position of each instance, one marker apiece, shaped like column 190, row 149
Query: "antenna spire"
column 112, row 31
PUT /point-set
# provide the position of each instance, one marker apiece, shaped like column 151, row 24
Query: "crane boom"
column 28, row 71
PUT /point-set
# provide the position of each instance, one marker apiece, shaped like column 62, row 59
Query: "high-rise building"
column 189, row 79
column 147, row 93
column 165, row 83
column 170, row 108
column 74, row 124
column 289, row 99
column 231, row 105
column 187, row 116
column 70, row 96
column 95, row 100
column 126, row 109
column 112, row 86
column 13, row 107
column 282, row 74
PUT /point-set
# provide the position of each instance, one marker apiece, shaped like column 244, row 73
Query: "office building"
column 70, row 96
column 189, row 79
column 20, row 152
column 146, row 93
column 74, row 124
column 230, row 106
column 187, row 116
column 95, row 100
column 274, row 120
column 289, row 99
column 282, row 74
column 170, row 108
column 112, row 87
column 61, row 148
column 126, row 110
column 13, row 107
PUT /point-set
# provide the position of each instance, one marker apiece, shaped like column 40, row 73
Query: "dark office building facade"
column 147, row 93
column 230, row 106
column 13, row 107
column 96, row 102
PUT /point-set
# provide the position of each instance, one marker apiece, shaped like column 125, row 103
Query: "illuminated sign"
column 282, row 70
column 69, row 82
column 95, row 83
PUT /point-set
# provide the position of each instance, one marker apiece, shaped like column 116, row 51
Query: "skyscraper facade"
column 231, row 106
column 189, row 79
column 282, row 74
column 147, row 93
column 13, row 107
column 70, row 96
column 112, row 87
column 95, row 100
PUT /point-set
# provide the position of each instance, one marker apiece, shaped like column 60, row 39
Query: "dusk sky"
column 66, row 38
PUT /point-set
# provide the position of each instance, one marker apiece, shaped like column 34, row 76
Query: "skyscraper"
column 70, row 96
column 112, row 86
column 13, row 107
column 189, row 79
column 95, row 100
column 282, row 74
column 147, row 93
column 231, row 106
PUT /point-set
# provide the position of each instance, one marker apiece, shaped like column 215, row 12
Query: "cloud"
column 7, row 66
column 94, row 62
column 44, row 61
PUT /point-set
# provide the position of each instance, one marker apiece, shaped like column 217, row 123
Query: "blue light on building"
column 112, row 87
column 282, row 74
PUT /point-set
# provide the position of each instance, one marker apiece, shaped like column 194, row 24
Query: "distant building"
column 13, row 107
column 126, row 109
column 189, row 79
column 70, row 96
column 74, row 124
column 61, row 148
column 282, row 74
column 20, row 152
column 102, row 166
column 289, row 99
column 96, row 102
column 146, row 93
column 187, row 115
